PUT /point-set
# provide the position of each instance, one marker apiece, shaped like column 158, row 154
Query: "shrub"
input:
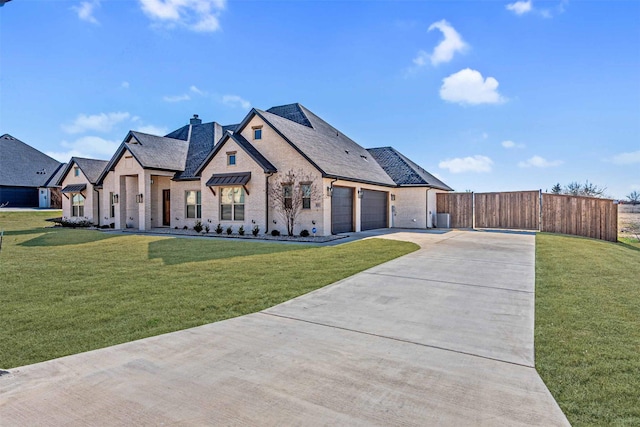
column 255, row 230
column 197, row 227
column 206, row 228
column 112, row 225
column 185, row 228
column 75, row 222
column 275, row 233
column 176, row 227
column 219, row 229
column 241, row 230
column 229, row 230
column 104, row 226
column 304, row 233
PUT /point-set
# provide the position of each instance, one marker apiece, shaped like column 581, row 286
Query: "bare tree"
column 574, row 188
column 634, row 198
column 289, row 194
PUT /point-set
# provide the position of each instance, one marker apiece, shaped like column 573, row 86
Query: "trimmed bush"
column 275, row 233
column 304, row 233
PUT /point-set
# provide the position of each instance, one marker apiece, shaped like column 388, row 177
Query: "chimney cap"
column 195, row 120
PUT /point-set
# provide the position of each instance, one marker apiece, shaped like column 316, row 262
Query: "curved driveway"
column 442, row 336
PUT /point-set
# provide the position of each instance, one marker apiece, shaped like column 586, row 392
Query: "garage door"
column 341, row 210
column 374, row 210
column 19, row 197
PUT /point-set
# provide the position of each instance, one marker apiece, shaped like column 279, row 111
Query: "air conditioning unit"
column 443, row 220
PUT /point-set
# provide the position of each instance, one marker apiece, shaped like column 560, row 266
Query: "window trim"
column 198, row 206
column 257, row 132
column 112, row 207
column 233, row 204
column 304, row 197
column 79, row 207
column 76, row 171
column 232, row 154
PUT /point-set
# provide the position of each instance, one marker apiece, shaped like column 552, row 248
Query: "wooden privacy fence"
column 532, row 210
column 581, row 216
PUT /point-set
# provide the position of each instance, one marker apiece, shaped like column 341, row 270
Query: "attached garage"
column 342, row 210
column 374, row 210
column 23, row 197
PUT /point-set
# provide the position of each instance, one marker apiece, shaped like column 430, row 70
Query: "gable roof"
column 22, row 165
column 403, row 171
column 262, row 161
column 53, row 180
column 91, row 168
column 331, row 152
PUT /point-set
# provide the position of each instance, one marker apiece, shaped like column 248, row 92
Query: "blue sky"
column 487, row 95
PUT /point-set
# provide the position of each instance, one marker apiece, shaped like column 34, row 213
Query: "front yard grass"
column 587, row 333
column 66, row 291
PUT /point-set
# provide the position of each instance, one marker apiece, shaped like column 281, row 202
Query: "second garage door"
column 374, row 210
column 341, row 210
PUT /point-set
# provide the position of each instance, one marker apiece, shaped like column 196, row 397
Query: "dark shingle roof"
column 53, row 181
column 333, row 153
column 22, row 165
column 203, row 138
column 91, row 168
column 403, row 171
column 157, row 152
column 265, row 164
column 291, row 112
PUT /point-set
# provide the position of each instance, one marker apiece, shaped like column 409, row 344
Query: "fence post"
column 540, row 212
column 473, row 210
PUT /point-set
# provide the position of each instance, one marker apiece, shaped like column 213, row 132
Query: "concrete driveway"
column 443, row 336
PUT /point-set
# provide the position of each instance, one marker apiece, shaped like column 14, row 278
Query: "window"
column 76, row 171
column 112, row 209
column 231, row 158
column 77, row 204
column 288, row 193
column 306, row 196
column 232, row 204
column 257, row 132
column 194, row 204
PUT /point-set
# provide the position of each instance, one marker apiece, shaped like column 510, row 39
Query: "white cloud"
column 469, row 87
column 539, row 162
column 476, row 163
column 92, row 147
column 511, row 144
column 102, row 122
column 626, row 158
column 235, row 101
column 85, row 10
column 520, row 7
column 124, row 85
column 153, row 130
column 196, row 15
column 451, row 44
column 195, row 90
column 176, row 98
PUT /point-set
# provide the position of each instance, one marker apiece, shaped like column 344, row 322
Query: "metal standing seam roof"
column 74, row 188
column 218, row 179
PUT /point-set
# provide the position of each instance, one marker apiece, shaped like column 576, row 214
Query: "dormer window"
column 231, row 158
column 257, row 132
column 76, row 171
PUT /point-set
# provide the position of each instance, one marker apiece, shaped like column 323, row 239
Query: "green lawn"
column 588, row 327
column 66, row 291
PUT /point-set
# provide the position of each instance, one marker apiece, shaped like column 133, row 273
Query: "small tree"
column 289, row 194
column 556, row 189
column 574, row 188
column 634, row 198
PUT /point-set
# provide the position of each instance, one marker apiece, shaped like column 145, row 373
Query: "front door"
column 166, row 207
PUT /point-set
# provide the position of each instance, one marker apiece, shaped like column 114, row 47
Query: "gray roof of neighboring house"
column 333, row 153
column 53, row 181
column 22, row 165
column 91, row 168
column 403, row 171
column 265, row 164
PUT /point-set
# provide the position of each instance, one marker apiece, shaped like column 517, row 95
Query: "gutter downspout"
column 331, row 186
column 98, row 199
column 266, row 202
column 429, row 213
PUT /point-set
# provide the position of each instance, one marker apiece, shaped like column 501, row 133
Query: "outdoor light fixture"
column 275, row 222
column 115, row 198
column 393, row 197
column 329, row 191
column 139, row 198
column 360, row 194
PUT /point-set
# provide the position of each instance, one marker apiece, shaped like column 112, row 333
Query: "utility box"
column 443, row 220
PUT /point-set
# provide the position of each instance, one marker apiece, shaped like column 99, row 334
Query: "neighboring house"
column 219, row 175
column 27, row 176
column 80, row 197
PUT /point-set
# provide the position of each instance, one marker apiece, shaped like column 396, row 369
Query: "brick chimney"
column 195, row 120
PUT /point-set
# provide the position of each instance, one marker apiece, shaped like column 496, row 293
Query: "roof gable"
column 22, row 165
column 404, row 171
column 91, row 168
column 329, row 150
column 242, row 142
